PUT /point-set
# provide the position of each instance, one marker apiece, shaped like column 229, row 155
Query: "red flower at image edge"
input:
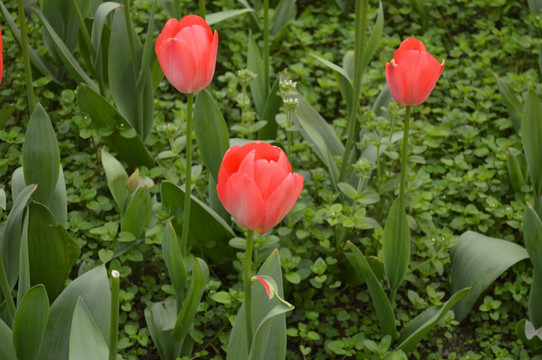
column 186, row 51
column 412, row 73
column 256, row 185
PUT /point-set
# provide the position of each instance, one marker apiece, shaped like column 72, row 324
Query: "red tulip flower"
column 186, row 51
column 412, row 73
column 256, row 185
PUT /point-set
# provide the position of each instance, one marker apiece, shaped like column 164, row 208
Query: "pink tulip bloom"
column 186, row 51
column 256, row 185
column 412, row 73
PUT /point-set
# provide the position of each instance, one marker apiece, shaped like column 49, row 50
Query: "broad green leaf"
column 532, row 237
column 515, row 172
column 11, row 237
column 60, row 14
column 382, row 101
column 510, row 99
column 123, row 72
column 160, row 318
column 535, row 294
column 86, row 340
column 138, row 212
column 270, row 110
column 320, row 136
column 334, row 67
column 396, row 245
column 257, row 85
column 105, row 116
column 41, row 157
column 418, row 327
column 144, row 78
column 174, row 259
column 224, row 15
column 29, row 323
column 208, row 231
column 65, row 54
column 383, row 308
column 268, row 319
column 531, row 134
column 17, row 182
column 97, row 38
column 477, row 260
column 37, row 60
column 117, row 179
column 211, row 132
column 23, row 284
column 200, row 278
column 59, row 202
column 283, row 14
column 93, row 288
column 7, row 351
column 51, row 250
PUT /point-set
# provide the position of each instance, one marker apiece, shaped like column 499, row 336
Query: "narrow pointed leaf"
column 283, row 14
column 258, row 84
column 333, row 67
column 374, row 39
column 105, row 116
column 510, row 99
column 59, row 202
column 51, row 250
column 7, row 351
column 86, row 340
column 23, row 285
column 532, row 236
column 383, row 308
column 29, row 323
column 211, row 132
column 65, row 54
column 96, row 37
column 396, row 245
column 535, row 294
column 160, row 318
column 138, row 212
column 93, row 288
column 200, row 277
column 117, row 178
column 270, row 110
column 224, row 15
column 41, row 157
column 531, row 134
column 417, row 328
column 174, row 259
column 477, row 261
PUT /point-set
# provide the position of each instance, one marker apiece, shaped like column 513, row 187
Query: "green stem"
column 6, row 290
column 26, row 58
column 248, row 292
column 202, row 8
column 188, row 186
column 404, row 159
column 266, row 43
column 114, row 323
column 361, row 25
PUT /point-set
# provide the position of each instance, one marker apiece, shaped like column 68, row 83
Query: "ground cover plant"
column 270, row 179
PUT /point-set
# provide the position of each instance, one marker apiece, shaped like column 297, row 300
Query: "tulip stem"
column 188, row 186
column 404, row 159
column 202, row 8
column 266, row 43
column 26, row 57
column 6, row 290
column 114, row 323
column 361, row 25
column 248, row 291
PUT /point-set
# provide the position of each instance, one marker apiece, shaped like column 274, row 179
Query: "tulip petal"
column 177, row 64
column 282, row 200
column 247, row 165
column 191, row 20
column 268, row 176
column 242, row 199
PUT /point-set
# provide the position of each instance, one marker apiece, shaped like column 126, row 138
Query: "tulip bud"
column 133, row 181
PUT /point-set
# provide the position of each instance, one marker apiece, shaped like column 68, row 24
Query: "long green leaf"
column 41, row 157
column 257, row 85
column 200, row 277
column 173, row 258
column 93, row 288
column 11, row 237
column 7, row 351
column 117, row 179
column 510, row 99
column 66, row 56
column 384, row 310
column 374, row 39
column 86, row 340
column 29, row 323
column 97, row 38
column 396, row 245
column 160, row 318
column 535, row 294
column 532, row 237
column 283, row 14
column 37, row 60
column 59, row 202
column 268, row 319
column 23, row 285
column 138, row 212
column 477, row 260
column 320, row 136
column 208, row 231
column 105, row 116
column 417, row 328
column 51, row 250
column 531, row 133
column 270, row 111
column 217, row 17
column 211, row 132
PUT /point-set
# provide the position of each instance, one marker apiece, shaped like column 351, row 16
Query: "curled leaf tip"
column 265, row 285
